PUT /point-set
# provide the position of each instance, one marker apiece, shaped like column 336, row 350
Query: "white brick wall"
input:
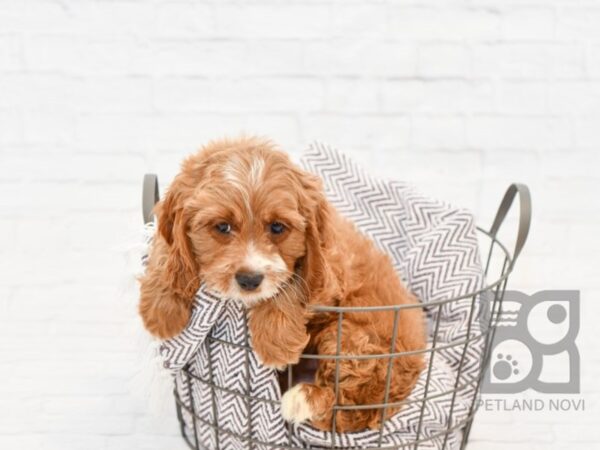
column 461, row 97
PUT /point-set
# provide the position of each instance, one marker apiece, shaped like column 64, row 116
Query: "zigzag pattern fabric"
column 433, row 246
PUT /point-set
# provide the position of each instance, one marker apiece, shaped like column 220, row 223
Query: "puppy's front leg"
column 278, row 333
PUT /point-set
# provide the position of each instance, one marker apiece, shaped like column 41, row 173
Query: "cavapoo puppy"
column 250, row 225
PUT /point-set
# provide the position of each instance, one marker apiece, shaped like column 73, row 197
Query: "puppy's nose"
column 249, row 281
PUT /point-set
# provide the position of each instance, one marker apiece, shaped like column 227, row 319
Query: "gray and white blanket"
column 433, row 247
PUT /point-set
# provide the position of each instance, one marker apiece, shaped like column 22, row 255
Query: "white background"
column 460, row 97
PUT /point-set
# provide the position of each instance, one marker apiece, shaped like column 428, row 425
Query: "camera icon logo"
column 534, row 345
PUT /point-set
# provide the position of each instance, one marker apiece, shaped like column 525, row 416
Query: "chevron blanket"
column 434, row 248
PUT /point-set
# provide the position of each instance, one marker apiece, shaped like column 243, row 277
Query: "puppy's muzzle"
column 249, row 281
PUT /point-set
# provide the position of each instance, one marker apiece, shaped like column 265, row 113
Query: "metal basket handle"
column 150, row 195
column 524, row 215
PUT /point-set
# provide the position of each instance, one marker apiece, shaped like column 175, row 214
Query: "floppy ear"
column 322, row 282
column 171, row 279
column 180, row 270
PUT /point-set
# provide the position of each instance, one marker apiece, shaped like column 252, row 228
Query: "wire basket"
column 499, row 263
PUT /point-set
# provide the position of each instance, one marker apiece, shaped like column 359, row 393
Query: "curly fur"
column 320, row 258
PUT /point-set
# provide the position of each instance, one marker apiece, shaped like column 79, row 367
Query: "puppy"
column 241, row 218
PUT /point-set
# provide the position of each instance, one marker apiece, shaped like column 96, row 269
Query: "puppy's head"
column 243, row 219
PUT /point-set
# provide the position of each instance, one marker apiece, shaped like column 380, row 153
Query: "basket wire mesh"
column 504, row 264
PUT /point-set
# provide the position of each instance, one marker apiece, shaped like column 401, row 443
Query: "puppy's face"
column 247, row 231
column 246, row 220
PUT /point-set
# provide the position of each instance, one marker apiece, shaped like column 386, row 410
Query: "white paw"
column 294, row 405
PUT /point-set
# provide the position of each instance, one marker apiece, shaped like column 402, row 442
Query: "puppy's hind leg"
column 307, row 402
column 360, row 382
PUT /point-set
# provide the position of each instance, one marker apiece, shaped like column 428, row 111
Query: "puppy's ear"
column 180, row 269
column 167, row 288
column 321, row 280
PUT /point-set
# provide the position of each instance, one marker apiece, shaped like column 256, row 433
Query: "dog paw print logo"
column 534, row 346
column 505, row 367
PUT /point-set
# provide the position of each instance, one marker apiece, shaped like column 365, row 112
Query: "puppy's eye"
column 277, row 228
column 223, row 228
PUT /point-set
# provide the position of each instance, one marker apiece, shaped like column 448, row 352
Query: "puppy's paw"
column 276, row 358
column 295, row 406
column 271, row 363
column 278, row 337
